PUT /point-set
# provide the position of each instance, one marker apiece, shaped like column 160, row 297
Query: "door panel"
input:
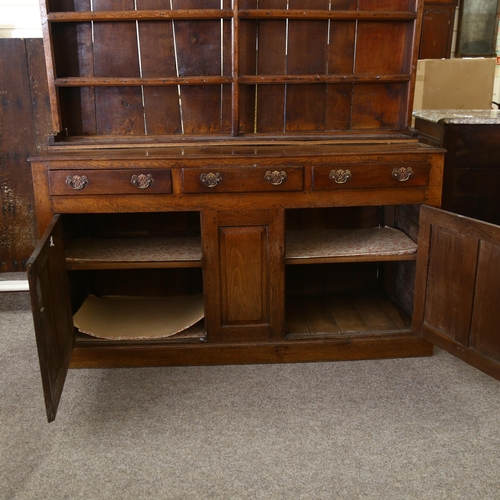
column 243, row 253
column 243, row 275
column 485, row 330
column 452, row 265
column 457, row 291
column 50, row 300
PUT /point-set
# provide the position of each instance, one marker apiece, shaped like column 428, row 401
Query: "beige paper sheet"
column 137, row 318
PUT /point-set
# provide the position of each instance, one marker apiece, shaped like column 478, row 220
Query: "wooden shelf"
column 308, row 79
column 214, row 14
column 340, row 15
column 348, row 245
column 303, row 247
column 135, row 82
column 400, row 137
column 224, row 80
column 90, row 253
column 140, row 15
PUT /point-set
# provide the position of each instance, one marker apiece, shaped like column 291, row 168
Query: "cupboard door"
column 457, row 291
column 243, row 275
column 50, row 301
column 437, row 29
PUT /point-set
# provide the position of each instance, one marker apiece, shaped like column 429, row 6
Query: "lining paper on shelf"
column 138, row 318
column 136, row 250
column 347, row 242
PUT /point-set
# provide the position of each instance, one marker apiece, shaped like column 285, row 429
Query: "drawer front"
column 242, row 179
column 385, row 175
column 89, row 182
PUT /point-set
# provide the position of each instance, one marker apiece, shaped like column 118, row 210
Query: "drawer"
column 380, row 175
column 243, row 179
column 88, row 182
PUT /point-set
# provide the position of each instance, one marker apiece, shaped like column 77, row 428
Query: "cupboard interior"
column 130, row 255
column 373, row 297
column 137, row 256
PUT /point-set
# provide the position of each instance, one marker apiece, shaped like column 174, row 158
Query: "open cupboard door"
column 457, row 292
column 50, row 301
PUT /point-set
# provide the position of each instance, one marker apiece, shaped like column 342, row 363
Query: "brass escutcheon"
column 402, row 174
column 211, row 179
column 77, row 181
column 142, row 181
column 275, row 178
column 340, row 176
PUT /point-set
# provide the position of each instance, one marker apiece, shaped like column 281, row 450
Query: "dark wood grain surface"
column 25, row 127
column 471, row 183
column 457, row 290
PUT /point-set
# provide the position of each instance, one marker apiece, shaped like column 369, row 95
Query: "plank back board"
column 24, row 126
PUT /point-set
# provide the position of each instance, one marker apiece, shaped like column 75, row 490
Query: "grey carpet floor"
column 426, row 428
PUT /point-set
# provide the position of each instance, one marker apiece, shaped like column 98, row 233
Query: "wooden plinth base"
column 286, row 351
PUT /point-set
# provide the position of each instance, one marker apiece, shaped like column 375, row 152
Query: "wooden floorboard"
column 344, row 314
column 318, row 316
column 374, row 314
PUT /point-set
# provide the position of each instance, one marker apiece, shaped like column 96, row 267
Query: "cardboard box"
column 454, row 83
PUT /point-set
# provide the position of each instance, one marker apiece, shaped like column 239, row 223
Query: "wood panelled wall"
column 24, row 127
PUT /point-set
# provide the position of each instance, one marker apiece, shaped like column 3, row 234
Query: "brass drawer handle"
column 211, row 179
column 340, row 176
column 77, row 181
column 402, row 174
column 275, row 178
column 142, row 181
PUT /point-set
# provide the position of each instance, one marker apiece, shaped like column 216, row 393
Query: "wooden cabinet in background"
column 471, row 184
column 437, row 29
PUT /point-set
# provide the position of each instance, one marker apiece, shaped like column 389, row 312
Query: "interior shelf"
column 332, row 315
column 93, row 253
column 348, row 245
column 303, row 247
